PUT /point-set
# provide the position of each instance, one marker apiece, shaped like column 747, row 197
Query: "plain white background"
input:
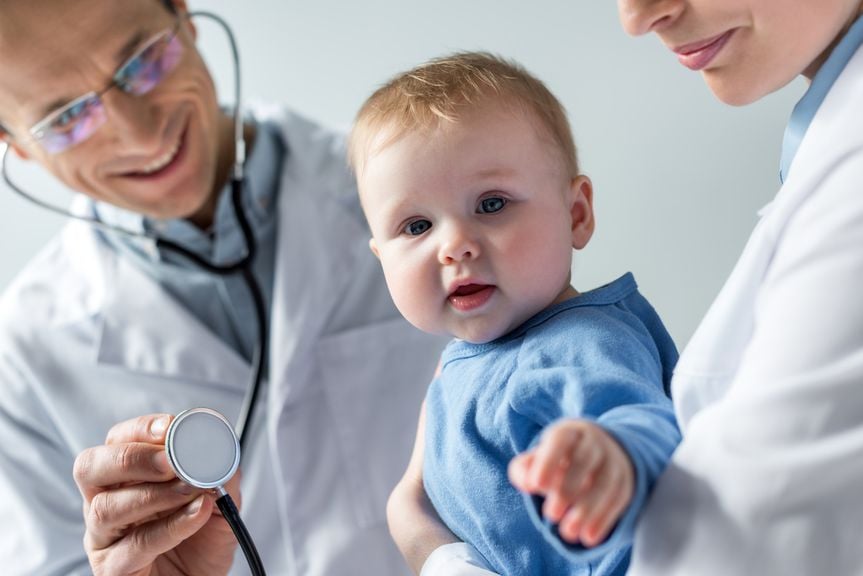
column 678, row 176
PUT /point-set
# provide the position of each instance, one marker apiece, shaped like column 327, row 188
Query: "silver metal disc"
column 203, row 448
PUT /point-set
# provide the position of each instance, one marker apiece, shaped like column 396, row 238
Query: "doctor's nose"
column 639, row 17
column 458, row 246
column 134, row 121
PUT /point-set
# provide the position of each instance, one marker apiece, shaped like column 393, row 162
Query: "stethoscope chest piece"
column 202, row 448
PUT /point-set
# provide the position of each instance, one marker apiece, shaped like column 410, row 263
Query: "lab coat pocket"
column 375, row 379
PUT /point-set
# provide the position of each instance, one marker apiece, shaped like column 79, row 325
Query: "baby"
column 549, row 420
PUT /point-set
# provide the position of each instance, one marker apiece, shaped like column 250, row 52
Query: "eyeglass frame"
column 169, row 36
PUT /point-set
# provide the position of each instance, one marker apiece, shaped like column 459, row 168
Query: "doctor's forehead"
column 39, row 21
column 60, row 46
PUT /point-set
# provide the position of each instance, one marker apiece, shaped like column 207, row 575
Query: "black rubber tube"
column 232, row 516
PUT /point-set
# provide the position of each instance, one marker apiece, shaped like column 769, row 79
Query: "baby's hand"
column 586, row 478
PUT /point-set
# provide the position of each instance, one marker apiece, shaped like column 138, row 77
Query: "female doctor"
column 769, row 391
column 103, row 327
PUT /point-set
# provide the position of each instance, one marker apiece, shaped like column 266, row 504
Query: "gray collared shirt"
column 222, row 303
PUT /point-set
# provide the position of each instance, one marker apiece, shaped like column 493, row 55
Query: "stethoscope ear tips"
column 202, row 448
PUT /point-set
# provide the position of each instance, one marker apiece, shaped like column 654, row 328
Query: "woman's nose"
column 640, row 17
column 458, row 245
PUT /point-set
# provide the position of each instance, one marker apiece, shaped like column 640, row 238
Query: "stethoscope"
column 204, row 451
column 202, row 446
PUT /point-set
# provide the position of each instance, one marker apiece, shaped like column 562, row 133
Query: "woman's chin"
column 738, row 92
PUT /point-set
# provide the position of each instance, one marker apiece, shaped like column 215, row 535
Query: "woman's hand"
column 140, row 519
column 586, row 478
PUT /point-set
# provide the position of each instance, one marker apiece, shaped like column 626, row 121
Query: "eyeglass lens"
column 77, row 121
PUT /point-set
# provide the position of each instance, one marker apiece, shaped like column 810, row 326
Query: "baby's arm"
column 418, row 530
column 604, row 413
column 413, row 522
column 586, row 477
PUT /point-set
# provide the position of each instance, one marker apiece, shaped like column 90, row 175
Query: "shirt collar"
column 806, row 108
column 607, row 295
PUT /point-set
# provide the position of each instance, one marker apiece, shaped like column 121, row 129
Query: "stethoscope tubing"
column 242, row 266
column 230, row 513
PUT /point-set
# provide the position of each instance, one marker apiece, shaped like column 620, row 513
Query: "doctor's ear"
column 180, row 8
column 374, row 248
column 581, row 211
column 7, row 139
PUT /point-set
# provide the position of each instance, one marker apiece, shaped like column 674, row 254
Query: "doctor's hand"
column 586, row 477
column 140, row 519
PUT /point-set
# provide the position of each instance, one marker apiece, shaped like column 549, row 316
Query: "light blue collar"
column 224, row 241
column 806, row 108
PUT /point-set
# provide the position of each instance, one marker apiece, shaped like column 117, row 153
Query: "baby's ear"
column 374, row 248
column 581, row 211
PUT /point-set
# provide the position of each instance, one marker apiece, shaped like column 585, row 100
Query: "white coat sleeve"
column 768, row 479
column 456, row 559
column 39, row 504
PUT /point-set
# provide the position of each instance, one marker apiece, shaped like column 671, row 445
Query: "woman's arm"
column 767, row 480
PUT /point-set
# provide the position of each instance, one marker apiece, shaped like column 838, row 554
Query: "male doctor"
column 102, row 337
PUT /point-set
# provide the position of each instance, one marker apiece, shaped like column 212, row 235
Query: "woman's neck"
column 811, row 70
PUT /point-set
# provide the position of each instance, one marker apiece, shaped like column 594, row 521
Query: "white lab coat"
column 87, row 340
column 769, row 391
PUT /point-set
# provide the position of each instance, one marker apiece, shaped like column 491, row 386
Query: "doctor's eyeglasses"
column 79, row 119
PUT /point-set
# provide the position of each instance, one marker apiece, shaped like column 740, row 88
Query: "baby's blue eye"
column 417, row 227
column 491, row 205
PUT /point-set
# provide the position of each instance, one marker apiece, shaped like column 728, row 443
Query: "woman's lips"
column 699, row 55
column 470, row 296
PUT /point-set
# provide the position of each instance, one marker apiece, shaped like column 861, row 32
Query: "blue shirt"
column 222, row 303
column 823, row 81
column 602, row 356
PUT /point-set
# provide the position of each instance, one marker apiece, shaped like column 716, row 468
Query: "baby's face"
column 473, row 223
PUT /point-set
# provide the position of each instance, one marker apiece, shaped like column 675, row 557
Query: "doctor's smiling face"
column 474, row 221
column 163, row 149
column 745, row 49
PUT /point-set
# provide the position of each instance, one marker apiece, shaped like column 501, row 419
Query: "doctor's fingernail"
column 158, row 427
column 195, row 505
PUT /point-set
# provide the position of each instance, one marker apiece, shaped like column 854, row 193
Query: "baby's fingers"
column 598, row 525
column 590, row 524
column 595, row 514
column 572, row 527
column 610, row 505
column 553, row 458
column 519, row 470
column 554, row 507
column 577, row 482
column 580, row 477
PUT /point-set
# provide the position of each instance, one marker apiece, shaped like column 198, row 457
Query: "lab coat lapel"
column 312, row 268
column 145, row 330
column 305, row 288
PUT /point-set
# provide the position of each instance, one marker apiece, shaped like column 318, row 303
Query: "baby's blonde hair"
column 435, row 92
